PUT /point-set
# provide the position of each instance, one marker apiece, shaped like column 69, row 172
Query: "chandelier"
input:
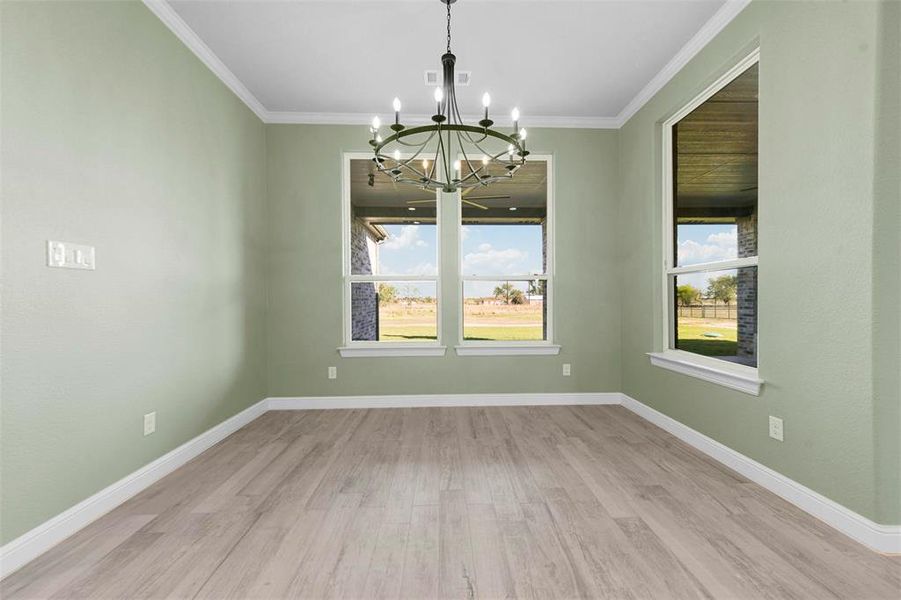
column 429, row 149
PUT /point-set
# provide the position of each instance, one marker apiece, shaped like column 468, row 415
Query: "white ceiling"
column 561, row 62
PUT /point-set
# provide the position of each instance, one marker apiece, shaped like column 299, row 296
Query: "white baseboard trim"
column 882, row 538
column 430, row 400
column 32, row 544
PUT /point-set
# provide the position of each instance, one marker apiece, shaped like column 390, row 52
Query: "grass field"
column 482, row 322
column 692, row 338
column 418, row 333
column 399, row 322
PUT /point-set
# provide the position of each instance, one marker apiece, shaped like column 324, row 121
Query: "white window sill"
column 734, row 376
column 508, row 350
column 390, row 349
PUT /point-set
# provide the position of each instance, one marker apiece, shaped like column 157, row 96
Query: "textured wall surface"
column 747, row 287
column 305, row 292
column 818, row 65
column 115, row 135
column 364, row 324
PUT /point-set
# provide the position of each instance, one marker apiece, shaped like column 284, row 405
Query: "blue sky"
column 486, row 250
column 705, row 243
column 516, row 250
column 409, row 250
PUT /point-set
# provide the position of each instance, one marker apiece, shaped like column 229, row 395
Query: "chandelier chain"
column 448, row 28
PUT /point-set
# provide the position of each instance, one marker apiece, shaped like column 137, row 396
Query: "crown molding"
column 705, row 34
column 319, row 118
column 189, row 38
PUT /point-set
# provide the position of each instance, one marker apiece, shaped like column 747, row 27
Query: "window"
column 506, row 243
column 391, row 258
column 710, row 230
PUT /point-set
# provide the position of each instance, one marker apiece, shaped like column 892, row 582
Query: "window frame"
column 733, row 375
column 500, row 347
column 367, row 348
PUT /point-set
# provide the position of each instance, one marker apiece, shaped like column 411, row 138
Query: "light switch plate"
column 149, row 423
column 776, row 431
column 333, row 372
column 567, row 369
column 65, row 255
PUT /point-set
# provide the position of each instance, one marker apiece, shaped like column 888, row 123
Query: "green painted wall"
column 887, row 268
column 819, row 76
column 114, row 134
column 305, row 291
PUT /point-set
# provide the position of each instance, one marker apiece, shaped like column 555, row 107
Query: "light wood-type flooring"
column 514, row 502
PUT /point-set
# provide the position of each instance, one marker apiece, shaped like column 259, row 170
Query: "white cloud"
column 718, row 246
column 489, row 260
column 464, row 233
column 408, row 238
column 424, row 268
column 725, row 238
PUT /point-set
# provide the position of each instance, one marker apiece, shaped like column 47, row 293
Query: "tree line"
column 719, row 289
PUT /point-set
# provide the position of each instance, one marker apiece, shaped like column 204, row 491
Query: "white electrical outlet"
column 776, row 431
column 149, row 423
column 333, row 372
column 567, row 369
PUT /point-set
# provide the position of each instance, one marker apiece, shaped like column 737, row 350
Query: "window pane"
column 392, row 229
column 716, row 314
column 504, row 311
column 394, row 311
column 505, row 225
column 715, row 176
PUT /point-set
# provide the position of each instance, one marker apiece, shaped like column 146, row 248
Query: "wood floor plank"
column 456, row 576
column 496, row 502
column 314, row 575
column 60, row 566
column 492, row 573
column 348, row 578
column 420, row 578
column 280, row 568
column 386, row 568
column 664, row 573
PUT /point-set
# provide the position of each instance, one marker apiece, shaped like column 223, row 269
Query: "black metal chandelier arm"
column 472, row 172
column 449, row 127
column 468, row 137
column 484, row 131
column 415, row 144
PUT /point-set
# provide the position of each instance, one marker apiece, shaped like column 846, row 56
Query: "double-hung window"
column 391, row 246
column 710, row 233
column 506, row 264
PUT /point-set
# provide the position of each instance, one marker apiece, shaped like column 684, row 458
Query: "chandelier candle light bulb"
column 439, row 97
column 396, row 105
column 486, row 102
column 446, row 136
